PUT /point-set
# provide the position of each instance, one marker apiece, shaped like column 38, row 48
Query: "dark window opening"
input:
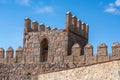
column 44, row 50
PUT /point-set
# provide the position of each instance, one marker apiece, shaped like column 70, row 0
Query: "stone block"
column 35, row 59
column 29, row 59
column 35, row 26
column 76, row 50
column 18, row 59
column 89, row 60
column 88, row 50
column 11, row 60
column 114, row 57
column 115, row 51
column 79, row 60
column 101, row 59
column 68, row 59
column 1, row 60
column 102, row 50
column 5, row 60
column 50, row 59
column 58, row 59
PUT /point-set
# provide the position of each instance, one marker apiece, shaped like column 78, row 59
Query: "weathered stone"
column 46, row 51
column 68, row 59
column 90, row 60
column 76, row 50
column 2, row 53
column 79, row 60
column 102, row 50
column 104, row 71
column 88, row 50
column 103, row 59
column 115, row 51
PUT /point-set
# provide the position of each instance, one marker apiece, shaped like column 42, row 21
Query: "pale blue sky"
column 103, row 17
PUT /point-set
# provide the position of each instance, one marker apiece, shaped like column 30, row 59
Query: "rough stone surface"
column 104, row 71
column 47, row 50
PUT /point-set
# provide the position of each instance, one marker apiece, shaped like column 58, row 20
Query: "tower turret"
column 34, row 26
column 68, row 20
column 27, row 25
column 2, row 53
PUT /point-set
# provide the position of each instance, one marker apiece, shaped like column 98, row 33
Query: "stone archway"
column 44, row 50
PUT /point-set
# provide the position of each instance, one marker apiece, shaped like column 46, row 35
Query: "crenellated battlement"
column 48, row 50
column 9, row 57
column 73, row 24
column 89, row 58
column 60, row 46
column 36, row 27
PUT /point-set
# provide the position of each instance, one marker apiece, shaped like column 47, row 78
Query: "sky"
column 103, row 17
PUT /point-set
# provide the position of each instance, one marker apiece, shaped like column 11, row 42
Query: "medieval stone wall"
column 104, row 71
column 47, row 51
column 60, row 42
column 30, row 71
column 57, row 45
column 7, row 57
column 77, row 32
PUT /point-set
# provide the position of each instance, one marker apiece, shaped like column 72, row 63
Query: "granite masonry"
column 104, row 71
column 48, row 52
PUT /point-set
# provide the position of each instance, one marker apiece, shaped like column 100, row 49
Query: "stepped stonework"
column 52, row 54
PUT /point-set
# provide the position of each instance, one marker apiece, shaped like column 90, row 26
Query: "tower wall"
column 77, row 32
column 47, row 50
column 57, row 45
column 60, row 42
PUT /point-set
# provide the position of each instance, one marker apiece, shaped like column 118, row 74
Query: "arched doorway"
column 44, row 50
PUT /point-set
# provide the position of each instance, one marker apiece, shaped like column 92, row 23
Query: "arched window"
column 44, row 50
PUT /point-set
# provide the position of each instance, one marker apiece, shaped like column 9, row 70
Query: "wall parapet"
column 36, row 27
column 75, row 58
column 73, row 24
column 89, row 58
column 9, row 57
column 48, row 50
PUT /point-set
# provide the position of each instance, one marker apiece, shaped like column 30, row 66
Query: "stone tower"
column 59, row 53
column 41, row 44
